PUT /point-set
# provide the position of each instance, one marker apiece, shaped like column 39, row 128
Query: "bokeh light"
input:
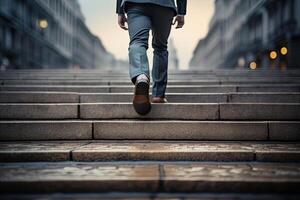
column 273, row 55
column 284, row 51
column 253, row 65
column 43, row 23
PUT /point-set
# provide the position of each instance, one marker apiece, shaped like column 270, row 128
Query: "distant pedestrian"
column 143, row 16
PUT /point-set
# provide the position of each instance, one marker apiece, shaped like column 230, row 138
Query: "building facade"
column 252, row 34
column 48, row 34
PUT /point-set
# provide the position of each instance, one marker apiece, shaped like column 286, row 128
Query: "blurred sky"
column 102, row 20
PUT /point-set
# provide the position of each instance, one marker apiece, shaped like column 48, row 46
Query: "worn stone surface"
column 117, row 89
column 284, row 131
column 172, row 97
column 37, row 151
column 259, row 111
column 95, row 81
column 181, row 130
column 57, row 82
column 38, row 97
column 134, row 174
column 158, row 111
column 45, row 130
column 201, row 89
column 189, row 151
column 269, row 88
column 280, row 152
column 148, row 151
column 222, row 177
column 165, row 151
column 199, row 97
column 170, row 89
column 78, row 177
column 56, row 88
column 263, row 81
column 265, row 97
column 38, row 111
column 183, row 89
column 150, row 196
column 194, row 82
column 138, row 177
column 105, row 97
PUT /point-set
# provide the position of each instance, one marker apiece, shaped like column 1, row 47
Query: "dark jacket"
column 180, row 10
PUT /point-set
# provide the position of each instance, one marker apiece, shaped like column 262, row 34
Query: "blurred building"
column 251, row 34
column 48, row 34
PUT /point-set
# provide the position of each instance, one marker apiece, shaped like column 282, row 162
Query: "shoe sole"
column 141, row 101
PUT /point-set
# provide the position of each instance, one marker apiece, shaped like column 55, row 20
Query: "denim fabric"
column 141, row 19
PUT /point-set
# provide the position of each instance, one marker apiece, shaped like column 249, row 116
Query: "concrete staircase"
column 224, row 135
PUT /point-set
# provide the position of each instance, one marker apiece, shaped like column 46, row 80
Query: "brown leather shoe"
column 159, row 100
column 141, row 99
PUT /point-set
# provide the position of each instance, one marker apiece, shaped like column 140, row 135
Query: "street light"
column 43, row 23
column 253, row 65
column 284, row 51
column 273, row 55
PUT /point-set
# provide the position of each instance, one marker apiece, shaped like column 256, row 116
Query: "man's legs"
column 161, row 27
column 139, row 25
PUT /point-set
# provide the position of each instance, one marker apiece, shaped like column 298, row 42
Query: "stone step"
column 230, row 73
column 202, row 71
column 126, row 81
column 246, row 177
column 200, row 151
column 170, row 89
column 69, row 97
column 39, row 97
column 197, row 130
column 39, row 111
column 45, row 130
column 150, row 130
column 55, row 72
column 170, row 82
column 118, row 89
column 150, row 196
column 259, row 111
column 227, row 111
column 172, row 97
column 148, row 151
column 41, row 151
column 170, row 111
column 258, row 97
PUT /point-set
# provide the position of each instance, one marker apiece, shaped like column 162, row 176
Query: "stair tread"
column 150, row 196
column 138, row 177
column 73, row 97
column 148, row 150
column 188, row 111
column 149, row 129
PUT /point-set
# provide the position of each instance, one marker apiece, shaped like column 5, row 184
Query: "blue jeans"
column 141, row 19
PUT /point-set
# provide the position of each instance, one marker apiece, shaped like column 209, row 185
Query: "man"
column 143, row 16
